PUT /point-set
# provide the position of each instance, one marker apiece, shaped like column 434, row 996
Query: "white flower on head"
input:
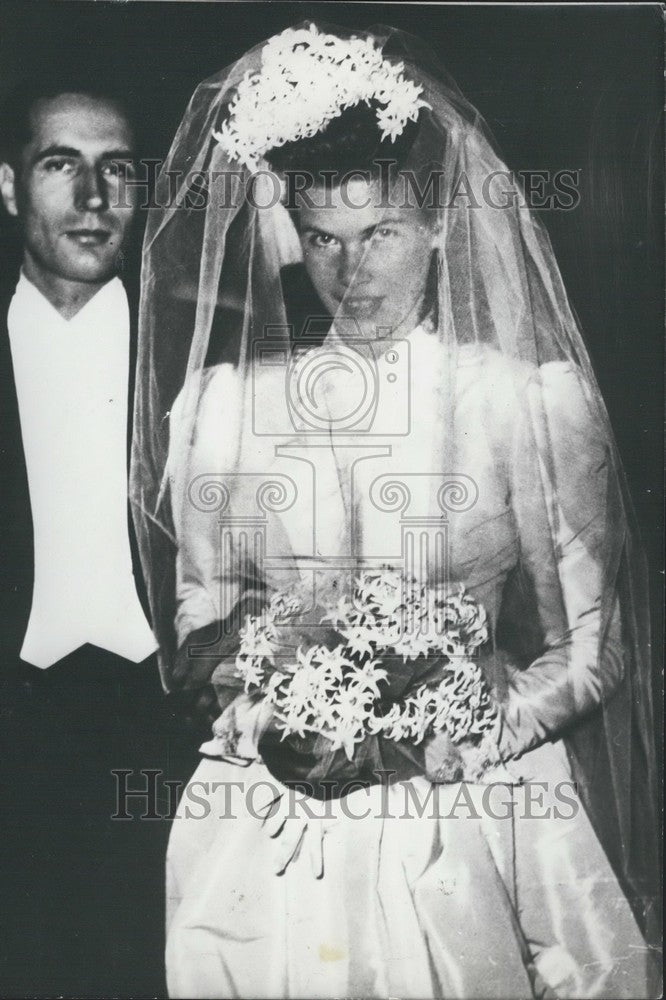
column 307, row 79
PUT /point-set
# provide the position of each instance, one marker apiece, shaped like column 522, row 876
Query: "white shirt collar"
column 28, row 298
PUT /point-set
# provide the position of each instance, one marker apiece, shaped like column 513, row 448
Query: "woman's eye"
column 322, row 240
column 118, row 168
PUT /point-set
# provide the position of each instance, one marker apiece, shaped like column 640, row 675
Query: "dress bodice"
column 500, row 466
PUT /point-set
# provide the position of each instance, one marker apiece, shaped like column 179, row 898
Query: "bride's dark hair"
column 350, row 142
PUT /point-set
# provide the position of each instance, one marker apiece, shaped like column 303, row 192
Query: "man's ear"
column 8, row 188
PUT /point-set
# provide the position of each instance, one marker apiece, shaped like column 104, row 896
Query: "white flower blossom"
column 338, row 692
column 307, row 79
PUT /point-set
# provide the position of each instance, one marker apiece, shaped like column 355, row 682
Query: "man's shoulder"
column 8, row 283
column 11, row 256
column 132, row 287
column 129, row 272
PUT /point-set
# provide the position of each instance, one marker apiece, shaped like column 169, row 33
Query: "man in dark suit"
column 82, row 899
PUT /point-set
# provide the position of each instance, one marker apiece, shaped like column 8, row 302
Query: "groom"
column 79, row 683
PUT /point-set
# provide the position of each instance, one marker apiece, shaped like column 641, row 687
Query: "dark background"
column 575, row 87
column 566, row 87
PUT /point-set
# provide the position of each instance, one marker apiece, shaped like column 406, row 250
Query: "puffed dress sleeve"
column 570, row 534
column 215, row 586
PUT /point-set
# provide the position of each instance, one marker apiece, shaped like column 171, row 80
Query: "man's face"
column 365, row 261
column 69, row 191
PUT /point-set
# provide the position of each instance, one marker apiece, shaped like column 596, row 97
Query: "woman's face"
column 367, row 262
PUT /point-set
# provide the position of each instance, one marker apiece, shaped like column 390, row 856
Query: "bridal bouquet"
column 398, row 669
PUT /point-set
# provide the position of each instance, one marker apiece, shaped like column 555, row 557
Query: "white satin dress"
column 463, row 901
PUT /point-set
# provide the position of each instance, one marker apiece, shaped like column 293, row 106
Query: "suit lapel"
column 16, row 533
column 16, row 502
column 132, row 290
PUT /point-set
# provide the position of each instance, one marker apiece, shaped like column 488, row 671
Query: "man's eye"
column 59, row 165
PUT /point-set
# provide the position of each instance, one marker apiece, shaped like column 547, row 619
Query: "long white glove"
column 237, row 731
column 295, row 824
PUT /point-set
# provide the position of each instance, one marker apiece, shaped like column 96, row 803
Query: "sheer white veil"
column 219, row 270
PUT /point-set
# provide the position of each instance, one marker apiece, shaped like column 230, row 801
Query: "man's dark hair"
column 47, row 83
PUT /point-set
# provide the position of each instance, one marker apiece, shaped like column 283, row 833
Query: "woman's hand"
column 242, row 722
column 443, row 761
column 476, row 761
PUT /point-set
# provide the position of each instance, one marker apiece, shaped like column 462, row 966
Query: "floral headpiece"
column 307, row 79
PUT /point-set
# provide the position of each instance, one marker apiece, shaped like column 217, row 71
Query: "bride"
column 356, row 352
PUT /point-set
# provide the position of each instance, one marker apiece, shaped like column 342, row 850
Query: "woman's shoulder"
column 497, row 371
column 497, row 379
column 510, row 389
column 206, row 397
column 571, row 403
column 563, row 383
column 198, row 385
column 474, row 362
column 218, row 396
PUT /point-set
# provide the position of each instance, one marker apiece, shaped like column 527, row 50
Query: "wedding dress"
column 464, row 900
